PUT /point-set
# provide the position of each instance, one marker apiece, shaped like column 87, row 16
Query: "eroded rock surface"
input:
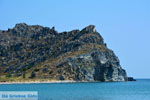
column 34, row 51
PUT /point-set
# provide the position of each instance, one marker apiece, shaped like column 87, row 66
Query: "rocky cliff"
column 37, row 52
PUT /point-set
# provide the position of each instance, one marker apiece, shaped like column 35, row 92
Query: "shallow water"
column 139, row 90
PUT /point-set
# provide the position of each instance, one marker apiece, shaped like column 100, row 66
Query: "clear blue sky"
column 124, row 24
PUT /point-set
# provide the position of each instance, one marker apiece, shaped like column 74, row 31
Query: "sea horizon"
column 133, row 90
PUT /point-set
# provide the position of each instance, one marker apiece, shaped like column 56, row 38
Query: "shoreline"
column 42, row 82
column 51, row 81
column 57, row 81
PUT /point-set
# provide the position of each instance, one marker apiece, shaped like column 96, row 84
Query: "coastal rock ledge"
column 34, row 52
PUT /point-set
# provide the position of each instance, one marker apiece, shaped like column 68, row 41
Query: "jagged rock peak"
column 53, row 28
column 21, row 25
column 90, row 28
column 24, row 25
column 23, row 29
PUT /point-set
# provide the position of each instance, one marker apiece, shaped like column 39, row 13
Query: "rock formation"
column 37, row 52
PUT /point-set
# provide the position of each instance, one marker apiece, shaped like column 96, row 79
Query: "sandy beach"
column 37, row 82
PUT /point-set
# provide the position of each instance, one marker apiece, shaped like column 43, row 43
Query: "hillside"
column 30, row 52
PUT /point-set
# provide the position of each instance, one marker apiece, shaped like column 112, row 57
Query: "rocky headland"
column 34, row 52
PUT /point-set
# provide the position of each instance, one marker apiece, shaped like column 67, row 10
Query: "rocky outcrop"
column 131, row 79
column 37, row 52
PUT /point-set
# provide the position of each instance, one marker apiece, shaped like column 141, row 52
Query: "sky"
column 124, row 24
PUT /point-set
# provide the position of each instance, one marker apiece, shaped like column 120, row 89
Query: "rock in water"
column 43, row 53
column 131, row 79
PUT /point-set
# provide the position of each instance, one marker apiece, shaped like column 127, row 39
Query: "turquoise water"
column 139, row 90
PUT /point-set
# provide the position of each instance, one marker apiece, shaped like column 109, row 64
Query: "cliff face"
column 36, row 52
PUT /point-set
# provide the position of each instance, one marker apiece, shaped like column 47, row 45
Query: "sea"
column 136, row 90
